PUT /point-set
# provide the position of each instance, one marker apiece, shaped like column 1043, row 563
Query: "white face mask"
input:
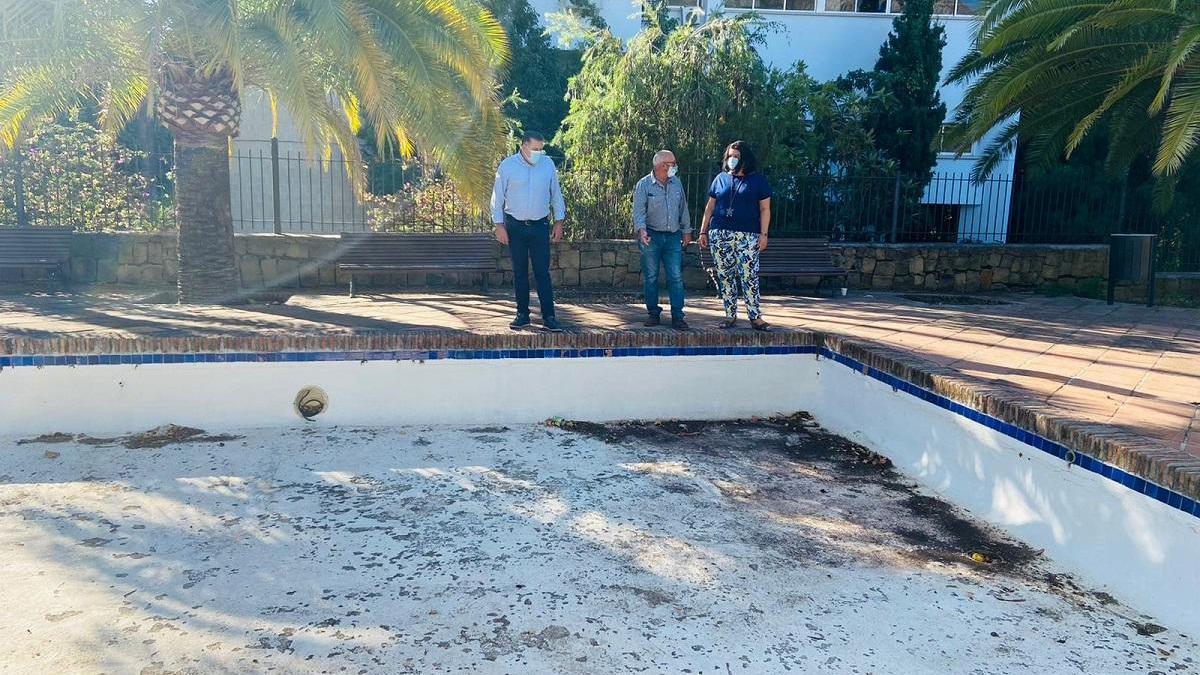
column 671, row 171
column 536, row 156
column 732, row 162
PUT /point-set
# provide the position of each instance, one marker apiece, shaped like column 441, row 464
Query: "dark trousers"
column 529, row 242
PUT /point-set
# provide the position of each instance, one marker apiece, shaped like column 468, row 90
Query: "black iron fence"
column 950, row 208
column 276, row 187
column 110, row 191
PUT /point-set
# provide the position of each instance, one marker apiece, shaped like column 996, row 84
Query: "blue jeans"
column 665, row 248
column 529, row 242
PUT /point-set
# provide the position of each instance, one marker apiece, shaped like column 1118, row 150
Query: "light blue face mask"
column 536, row 156
column 732, row 162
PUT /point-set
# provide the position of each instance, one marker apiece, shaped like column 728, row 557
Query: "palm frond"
column 990, row 157
column 36, row 93
column 121, row 100
column 996, row 151
column 1047, row 18
column 1128, row 130
column 1137, row 75
column 1182, row 123
column 421, row 73
column 992, row 13
column 1066, row 66
column 1183, row 49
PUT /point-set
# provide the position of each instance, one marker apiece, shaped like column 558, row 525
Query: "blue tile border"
column 1166, row 496
column 1137, row 484
column 394, row 355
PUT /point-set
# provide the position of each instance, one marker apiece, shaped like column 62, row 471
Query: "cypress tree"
column 909, row 114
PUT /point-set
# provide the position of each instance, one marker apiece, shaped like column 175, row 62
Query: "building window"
column 862, row 6
column 785, row 5
column 940, row 7
column 967, row 8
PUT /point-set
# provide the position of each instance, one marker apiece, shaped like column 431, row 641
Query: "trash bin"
column 1131, row 258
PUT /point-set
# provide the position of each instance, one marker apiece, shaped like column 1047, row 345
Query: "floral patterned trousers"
column 736, row 257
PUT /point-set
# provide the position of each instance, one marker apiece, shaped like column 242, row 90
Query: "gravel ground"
column 763, row 546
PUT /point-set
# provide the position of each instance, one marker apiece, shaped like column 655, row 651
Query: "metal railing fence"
column 276, row 187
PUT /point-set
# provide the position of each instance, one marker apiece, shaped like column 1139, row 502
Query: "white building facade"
column 834, row 37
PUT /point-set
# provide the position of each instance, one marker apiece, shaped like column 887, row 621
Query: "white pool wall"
column 125, row 398
column 1141, row 550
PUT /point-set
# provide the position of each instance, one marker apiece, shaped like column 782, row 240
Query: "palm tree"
column 419, row 72
column 1051, row 71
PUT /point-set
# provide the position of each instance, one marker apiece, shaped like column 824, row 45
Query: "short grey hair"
column 661, row 156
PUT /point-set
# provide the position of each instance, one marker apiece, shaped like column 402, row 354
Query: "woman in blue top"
column 735, row 224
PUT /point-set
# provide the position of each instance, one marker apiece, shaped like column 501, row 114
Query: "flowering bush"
column 69, row 176
column 423, row 205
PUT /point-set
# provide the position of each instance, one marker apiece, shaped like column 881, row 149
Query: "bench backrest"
column 785, row 255
column 35, row 246
column 417, row 250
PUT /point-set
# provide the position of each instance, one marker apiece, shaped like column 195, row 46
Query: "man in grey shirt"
column 526, row 190
column 660, row 217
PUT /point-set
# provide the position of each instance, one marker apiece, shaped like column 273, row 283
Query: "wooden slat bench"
column 790, row 258
column 383, row 253
column 46, row 248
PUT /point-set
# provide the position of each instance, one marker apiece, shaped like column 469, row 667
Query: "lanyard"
column 732, row 193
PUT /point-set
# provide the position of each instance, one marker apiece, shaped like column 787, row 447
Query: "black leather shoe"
column 652, row 321
column 521, row 321
column 551, row 325
column 679, row 324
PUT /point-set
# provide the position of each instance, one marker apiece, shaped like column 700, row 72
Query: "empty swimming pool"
column 427, row 518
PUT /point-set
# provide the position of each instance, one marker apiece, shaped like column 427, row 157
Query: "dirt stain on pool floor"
column 756, row 546
column 158, row 437
column 782, row 447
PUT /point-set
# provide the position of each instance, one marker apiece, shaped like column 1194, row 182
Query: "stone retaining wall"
column 952, row 267
column 309, row 262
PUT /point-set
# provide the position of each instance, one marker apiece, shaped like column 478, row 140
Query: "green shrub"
column 73, row 177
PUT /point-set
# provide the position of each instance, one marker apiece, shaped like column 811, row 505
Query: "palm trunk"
column 207, row 266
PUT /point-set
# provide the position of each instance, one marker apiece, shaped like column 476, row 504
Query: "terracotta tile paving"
column 1131, row 368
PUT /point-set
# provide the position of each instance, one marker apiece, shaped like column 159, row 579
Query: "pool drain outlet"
column 311, row 401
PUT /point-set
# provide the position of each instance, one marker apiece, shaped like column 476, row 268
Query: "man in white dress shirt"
column 525, row 193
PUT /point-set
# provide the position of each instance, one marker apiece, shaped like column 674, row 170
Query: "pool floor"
column 752, row 547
